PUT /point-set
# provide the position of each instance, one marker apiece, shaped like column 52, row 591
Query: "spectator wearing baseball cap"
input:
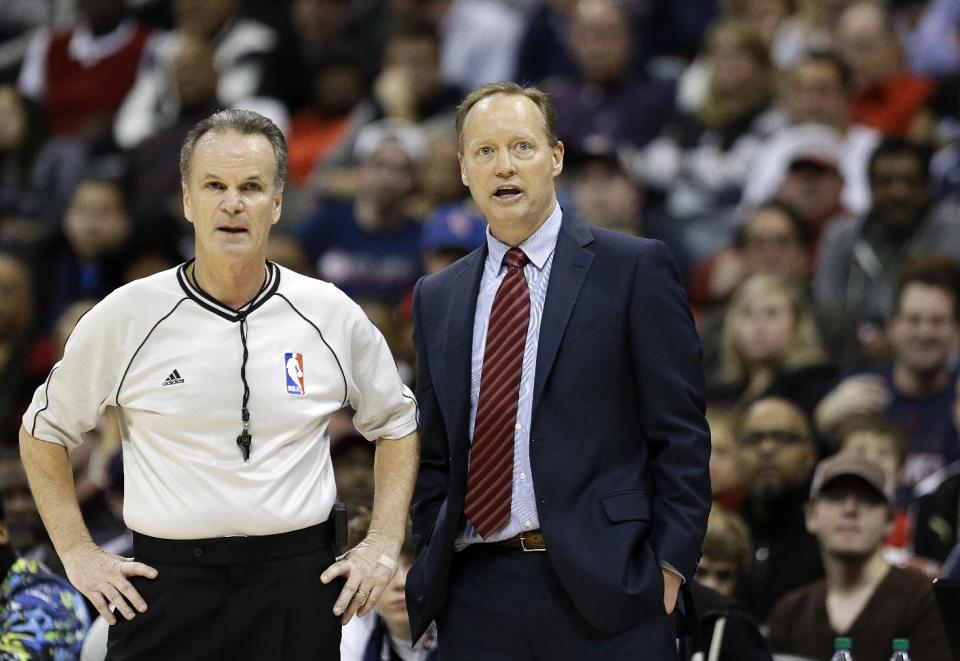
column 449, row 234
column 369, row 246
column 861, row 597
column 816, row 96
column 813, row 182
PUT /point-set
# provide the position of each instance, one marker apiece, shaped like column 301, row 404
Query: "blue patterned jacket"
column 42, row 616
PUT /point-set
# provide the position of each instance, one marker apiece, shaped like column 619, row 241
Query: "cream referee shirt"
column 168, row 357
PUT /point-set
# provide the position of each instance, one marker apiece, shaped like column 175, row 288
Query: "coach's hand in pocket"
column 671, row 586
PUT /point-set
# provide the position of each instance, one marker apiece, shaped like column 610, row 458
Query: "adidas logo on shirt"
column 173, row 379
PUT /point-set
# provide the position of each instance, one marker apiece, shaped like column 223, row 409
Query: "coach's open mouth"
column 508, row 193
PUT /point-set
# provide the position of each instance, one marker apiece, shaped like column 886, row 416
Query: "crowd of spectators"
column 800, row 158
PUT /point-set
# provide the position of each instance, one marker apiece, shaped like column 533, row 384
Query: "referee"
column 224, row 373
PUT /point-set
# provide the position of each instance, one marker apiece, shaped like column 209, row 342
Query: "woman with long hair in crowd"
column 770, row 346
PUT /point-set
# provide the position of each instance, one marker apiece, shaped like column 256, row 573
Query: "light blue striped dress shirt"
column 539, row 248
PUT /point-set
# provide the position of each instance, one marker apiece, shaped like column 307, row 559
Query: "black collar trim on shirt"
column 270, row 286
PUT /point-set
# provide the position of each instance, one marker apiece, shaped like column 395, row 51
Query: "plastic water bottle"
column 901, row 650
column 842, row 647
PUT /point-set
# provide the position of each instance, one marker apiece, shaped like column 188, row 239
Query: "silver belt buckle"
column 523, row 546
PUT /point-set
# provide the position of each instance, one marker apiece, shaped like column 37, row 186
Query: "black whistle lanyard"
column 244, row 439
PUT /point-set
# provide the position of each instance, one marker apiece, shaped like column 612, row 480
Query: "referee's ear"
column 277, row 205
column 187, row 213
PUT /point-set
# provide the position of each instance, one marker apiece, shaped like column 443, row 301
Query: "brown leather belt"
column 531, row 540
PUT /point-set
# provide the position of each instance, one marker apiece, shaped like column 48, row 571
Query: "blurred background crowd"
column 800, row 158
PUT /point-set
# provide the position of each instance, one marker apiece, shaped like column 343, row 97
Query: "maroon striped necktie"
column 490, row 479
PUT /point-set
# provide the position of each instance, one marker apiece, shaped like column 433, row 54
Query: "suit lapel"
column 458, row 343
column 571, row 262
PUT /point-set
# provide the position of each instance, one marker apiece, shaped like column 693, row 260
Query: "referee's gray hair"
column 244, row 122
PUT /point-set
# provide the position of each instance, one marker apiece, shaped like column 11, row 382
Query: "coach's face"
column 231, row 198
column 509, row 165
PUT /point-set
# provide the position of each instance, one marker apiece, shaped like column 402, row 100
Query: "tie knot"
column 515, row 258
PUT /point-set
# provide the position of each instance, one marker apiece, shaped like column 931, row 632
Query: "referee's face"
column 231, row 199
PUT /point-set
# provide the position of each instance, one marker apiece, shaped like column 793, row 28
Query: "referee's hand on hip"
column 368, row 571
column 103, row 579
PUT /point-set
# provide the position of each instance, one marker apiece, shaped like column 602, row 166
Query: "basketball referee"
column 224, row 373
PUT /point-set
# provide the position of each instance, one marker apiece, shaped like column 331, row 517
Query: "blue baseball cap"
column 456, row 226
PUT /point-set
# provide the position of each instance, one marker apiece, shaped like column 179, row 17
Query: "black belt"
column 229, row 550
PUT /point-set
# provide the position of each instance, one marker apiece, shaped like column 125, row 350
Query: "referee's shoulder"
column 151, row 293
column 131, row 310
column 311, row 295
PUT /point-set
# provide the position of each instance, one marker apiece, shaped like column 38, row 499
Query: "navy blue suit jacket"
column 619, row 447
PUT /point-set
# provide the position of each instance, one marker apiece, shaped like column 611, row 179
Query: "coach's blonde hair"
column 539, row 99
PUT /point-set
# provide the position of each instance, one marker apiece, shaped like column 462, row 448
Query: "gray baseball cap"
column 847, row 464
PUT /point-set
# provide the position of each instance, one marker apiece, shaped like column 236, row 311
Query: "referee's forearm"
column 51, row 482
column 394, row 474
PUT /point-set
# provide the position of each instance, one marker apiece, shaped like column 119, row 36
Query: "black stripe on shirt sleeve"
column 46, row 386
column 134, row 356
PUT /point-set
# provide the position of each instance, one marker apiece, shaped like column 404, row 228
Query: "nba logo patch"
column 293, row 364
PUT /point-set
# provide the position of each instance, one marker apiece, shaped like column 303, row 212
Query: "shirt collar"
column 537, row 247
column 270, row 285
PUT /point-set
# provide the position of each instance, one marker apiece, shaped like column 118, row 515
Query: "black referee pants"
column 257, row 598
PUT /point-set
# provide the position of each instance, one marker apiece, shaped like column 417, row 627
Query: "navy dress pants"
column 507, row 605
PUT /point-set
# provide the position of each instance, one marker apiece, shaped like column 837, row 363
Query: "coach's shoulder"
column 631, row 247
column 453, row 277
